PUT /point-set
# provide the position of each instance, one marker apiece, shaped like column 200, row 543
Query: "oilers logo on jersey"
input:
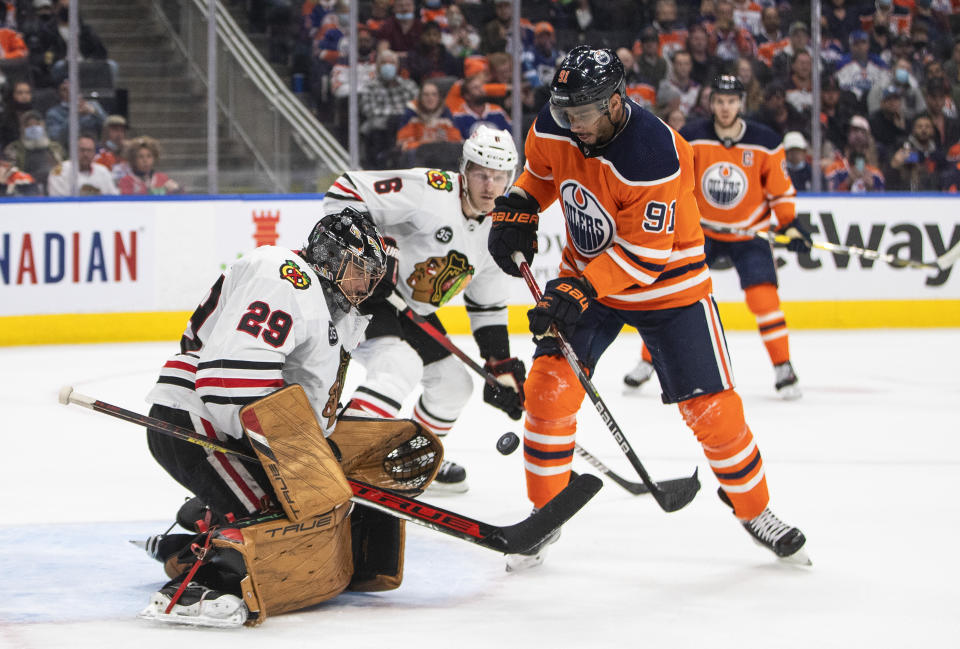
column 724, row 185
column 591, row 228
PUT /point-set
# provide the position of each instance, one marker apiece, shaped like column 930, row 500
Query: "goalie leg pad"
column 378, row 542
column 301, row 466
column 291, row 565
column 397, row 454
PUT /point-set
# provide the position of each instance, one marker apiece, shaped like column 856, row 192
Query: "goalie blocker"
column 320, row 546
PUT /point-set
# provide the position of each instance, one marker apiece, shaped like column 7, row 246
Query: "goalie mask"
column 346, row 249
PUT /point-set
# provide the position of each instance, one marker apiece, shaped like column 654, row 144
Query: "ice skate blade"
column 790, row 392
column 523, row 562
column 446, row 488
column 154, row 613
column 798, row 558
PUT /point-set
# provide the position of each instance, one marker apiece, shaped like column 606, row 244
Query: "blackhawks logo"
column 292, row 273
column 438, row 279
column 440, row 180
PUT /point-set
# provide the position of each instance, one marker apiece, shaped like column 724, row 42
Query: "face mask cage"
column 356, row 277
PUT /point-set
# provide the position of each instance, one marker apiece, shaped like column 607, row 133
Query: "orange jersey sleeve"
column 631, row 216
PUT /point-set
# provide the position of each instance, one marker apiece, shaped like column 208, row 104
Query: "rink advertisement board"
column 133, row 269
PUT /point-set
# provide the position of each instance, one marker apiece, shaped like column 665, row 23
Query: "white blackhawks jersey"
column 264, row 324
column 420, row 208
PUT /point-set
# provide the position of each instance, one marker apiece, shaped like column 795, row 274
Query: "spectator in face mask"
column 382, row 102
column 798, row 164
column 33, row 152
column 110, row 149
column 906, row 83
column 400, row 32
column 460, row 37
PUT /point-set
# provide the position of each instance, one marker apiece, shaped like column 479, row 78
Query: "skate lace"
column 768, row 527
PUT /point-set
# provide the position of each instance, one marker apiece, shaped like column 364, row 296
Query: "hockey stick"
column 396, row 301
column 635, row 488
column 853, row 251
column 670, row 497
column 509, row 539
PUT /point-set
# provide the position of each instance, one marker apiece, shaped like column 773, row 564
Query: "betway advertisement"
column 162, row 255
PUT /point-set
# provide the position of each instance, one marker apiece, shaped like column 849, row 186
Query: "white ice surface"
column 867, row 464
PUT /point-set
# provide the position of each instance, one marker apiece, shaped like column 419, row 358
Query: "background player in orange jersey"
column 742, row 183
column 634, row 255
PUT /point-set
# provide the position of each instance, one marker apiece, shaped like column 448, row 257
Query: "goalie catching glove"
column 514, row 229
column 563, row 302
column 800, row 240
column 508, row 394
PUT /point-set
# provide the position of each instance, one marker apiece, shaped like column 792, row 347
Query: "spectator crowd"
column 432, row 70
column 35, row 110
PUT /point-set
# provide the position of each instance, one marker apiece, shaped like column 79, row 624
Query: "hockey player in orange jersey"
column 634, row 255
column 742, row 183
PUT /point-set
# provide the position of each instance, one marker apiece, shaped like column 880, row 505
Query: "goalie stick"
column 943, row 262
column 635, row 488
column 670, row 497
column 509, row 539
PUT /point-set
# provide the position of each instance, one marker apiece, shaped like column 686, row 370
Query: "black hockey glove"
column 508, row 394
column 800, row 240
column 564, row 301
column 515, row 220
column 388, row 282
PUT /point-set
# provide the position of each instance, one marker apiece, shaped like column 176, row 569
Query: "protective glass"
column 583, row 115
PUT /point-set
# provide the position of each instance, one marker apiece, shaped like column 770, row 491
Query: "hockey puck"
column 508, row 443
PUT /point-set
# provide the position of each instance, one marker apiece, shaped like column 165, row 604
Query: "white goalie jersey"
column 441, row 251
column 264, row 324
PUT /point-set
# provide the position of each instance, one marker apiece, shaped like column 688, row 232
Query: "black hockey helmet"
column 585, row 77
column 727, row 84
column 346, row 249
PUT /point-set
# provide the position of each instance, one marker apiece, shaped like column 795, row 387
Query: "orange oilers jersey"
column 742, row 186
column 633, row 227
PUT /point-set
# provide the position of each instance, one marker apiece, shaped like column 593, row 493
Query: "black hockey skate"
column 451, row 479
column 196, row 606
column 786, row 382
column 767, row 530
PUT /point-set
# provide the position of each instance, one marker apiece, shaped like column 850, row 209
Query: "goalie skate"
column 639, row 375
column 197, row 606
column 451, row 479
column 786, row 384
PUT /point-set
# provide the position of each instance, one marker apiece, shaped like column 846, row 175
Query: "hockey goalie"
column 260, row 370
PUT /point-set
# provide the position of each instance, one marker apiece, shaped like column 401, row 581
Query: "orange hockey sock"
column 718, row 422
column 553, row 397
column 764, row 303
